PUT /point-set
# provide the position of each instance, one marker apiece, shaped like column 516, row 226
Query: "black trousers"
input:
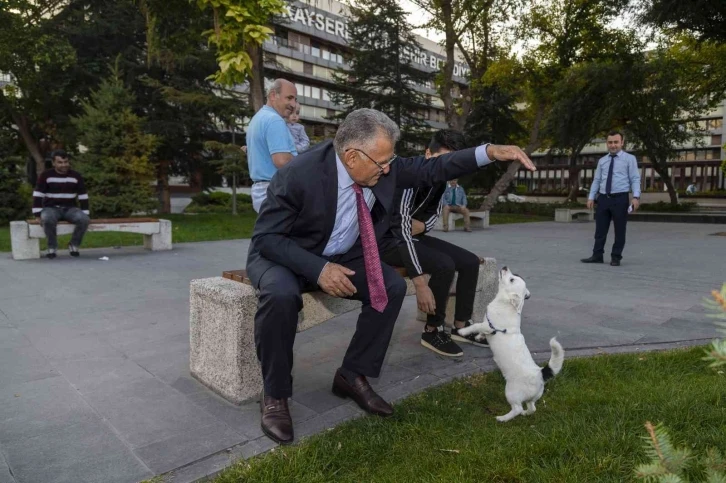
column 280, row 300
column 440, row 259
column 613, row 209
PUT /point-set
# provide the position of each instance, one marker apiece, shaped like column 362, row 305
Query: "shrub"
column 521, row 189
column 217, row 202
column 663, row 207
column 15, row 196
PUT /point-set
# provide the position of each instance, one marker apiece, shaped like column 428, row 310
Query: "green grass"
column 187, row 228
column 588, row 428
column 207, row 227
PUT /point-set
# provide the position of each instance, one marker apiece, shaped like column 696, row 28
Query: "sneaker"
column 51, row 254
column 470, row 339
column 73, row 250
column 440, row 342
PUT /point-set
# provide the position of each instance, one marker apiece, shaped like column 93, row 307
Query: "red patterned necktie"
column 374, row 274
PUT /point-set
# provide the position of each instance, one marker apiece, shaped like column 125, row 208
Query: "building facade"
column 310, row 44
column 699, row 163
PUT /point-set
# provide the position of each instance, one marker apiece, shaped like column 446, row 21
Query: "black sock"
column 430, row 328
column 349, row 375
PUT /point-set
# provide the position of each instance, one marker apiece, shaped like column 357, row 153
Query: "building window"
column 316, row 93
column 307, row 68
column 307, row 91
column 326, row 55
column 716, row 140
column 714, row 124
column 300, row 90
column 326, row 95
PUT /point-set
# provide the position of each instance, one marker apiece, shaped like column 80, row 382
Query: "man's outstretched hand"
column 510, row 153
column 334, row 280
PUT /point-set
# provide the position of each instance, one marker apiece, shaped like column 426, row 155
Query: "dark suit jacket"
column 298, row 216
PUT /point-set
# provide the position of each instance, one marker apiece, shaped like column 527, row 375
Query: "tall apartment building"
column 310, row 44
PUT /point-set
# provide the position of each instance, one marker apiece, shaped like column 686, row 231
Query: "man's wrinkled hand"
column 334, row 280
column 636, row 204
column 510, row 153
column 590, row 204
column 417, row 227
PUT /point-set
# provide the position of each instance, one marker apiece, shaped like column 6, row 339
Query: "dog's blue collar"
column 491, row 326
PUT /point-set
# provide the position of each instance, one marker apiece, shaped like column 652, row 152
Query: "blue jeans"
column 50, row 216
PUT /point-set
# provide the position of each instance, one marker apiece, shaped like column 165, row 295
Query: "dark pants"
column 50, row 216
column 280, row 300
column 440, row 259
column 613, row 209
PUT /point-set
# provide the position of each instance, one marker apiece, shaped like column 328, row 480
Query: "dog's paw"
column 502, row 419
column 480, row 338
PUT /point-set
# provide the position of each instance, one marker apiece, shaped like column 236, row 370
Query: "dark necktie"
column 371, row 258
column 453, row 197
column 609, row 182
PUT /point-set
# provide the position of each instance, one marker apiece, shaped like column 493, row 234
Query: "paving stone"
column 182, row 448
column 5, row 476
column 406, row 388
column 88, row 375
column 23, row 364
column 326, row 420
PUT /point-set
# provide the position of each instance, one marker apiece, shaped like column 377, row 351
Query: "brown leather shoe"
column 362, row 393
column 276, row 420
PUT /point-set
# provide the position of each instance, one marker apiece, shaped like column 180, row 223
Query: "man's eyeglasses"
column 381, row 166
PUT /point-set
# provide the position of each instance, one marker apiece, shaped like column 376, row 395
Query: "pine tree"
column 382, row 75
column 116, row 165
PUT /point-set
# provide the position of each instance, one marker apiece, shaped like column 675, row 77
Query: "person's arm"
column 271, row 236
column 83, row 196
column 634, row 177
column 431, row 221
column 407, row 248
column 41, row 188
column 422, row 172
column 279, row 143
column 463, row 198
column 303, row 141
column 595, row 187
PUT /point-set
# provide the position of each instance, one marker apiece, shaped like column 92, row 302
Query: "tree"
column 478, row 28
column 230, row 161
column 39, row 61
column 382, row 75
column 559, row 35
column 116, row 165
column 663, row 96
column 240, row 28
column 703, row 18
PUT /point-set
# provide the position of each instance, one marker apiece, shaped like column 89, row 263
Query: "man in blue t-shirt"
column 270, row 145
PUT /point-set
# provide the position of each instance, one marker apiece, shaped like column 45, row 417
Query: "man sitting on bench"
column 418, row 210
column 54, row 200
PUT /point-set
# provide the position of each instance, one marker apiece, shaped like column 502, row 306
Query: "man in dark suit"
column 325, row 214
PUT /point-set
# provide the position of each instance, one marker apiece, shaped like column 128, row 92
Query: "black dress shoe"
column 592, row 259
column 276, row 420
column 362, row 393
column 615, row 263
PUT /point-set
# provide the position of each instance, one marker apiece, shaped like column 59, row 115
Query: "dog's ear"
column 517, row 302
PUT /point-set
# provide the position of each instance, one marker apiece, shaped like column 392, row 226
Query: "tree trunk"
column 508, row 176
column 30, row 142
column 447, row 12
column 574, row 184
column 257, row 80
column 662, row 170
column 162, row 184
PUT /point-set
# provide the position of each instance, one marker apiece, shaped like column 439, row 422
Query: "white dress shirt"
column 346, row 231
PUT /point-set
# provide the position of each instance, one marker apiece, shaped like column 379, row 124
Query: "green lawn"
column 588, row 428
column 205, row 227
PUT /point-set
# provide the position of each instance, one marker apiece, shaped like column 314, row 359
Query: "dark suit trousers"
column 615, row 210
column 280, row 300
column 441, row 259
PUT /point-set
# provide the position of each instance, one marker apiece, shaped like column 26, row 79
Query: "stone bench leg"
column 159, row 241
column 221, row 336
column 487, row 285
column 24, row 247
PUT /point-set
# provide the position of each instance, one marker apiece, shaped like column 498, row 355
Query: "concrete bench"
column 568, row 215
column 221, row 318
column 479, row 219
column 25, row 235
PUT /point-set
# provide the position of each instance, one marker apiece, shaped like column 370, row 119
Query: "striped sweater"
column 61, row 190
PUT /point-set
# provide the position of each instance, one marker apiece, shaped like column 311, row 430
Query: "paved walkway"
column 94, row 355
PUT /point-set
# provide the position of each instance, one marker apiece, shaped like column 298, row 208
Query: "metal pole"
column 234, row 180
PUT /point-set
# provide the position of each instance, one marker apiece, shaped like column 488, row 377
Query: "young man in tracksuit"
column 418, row 209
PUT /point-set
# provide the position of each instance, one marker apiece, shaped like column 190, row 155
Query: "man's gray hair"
column 361, row 127
column 276, row 87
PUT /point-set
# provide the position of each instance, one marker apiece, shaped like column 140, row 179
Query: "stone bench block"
column 568, row 215
column 222, row 345
column 479, row 219
column 487, row 285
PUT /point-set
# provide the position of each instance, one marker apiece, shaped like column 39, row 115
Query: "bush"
column 521, row 189
column 217, row 202
column 527, row 208
column 663, row 207
column 15, row 196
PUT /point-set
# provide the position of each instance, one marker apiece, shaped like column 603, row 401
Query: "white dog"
column 501, row 327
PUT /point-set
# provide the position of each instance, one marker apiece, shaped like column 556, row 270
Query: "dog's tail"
column 554, row 366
